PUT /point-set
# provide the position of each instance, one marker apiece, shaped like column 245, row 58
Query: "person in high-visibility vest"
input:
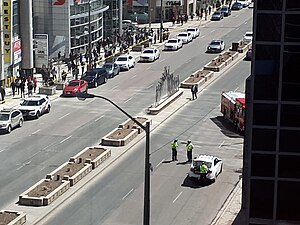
column 174, row 146
column 203, row 171
column 189, row 150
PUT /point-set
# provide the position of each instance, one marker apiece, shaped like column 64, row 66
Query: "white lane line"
column 237, row 28
column 221, row 144
column 36, row 131
column 177, row 197
column 162, row 60
column 64, row 116
column 42, row 168
column 2, row 150
column 127, row 194
column 202, row 36
column 47, row 146
column 115, row 87
column 160, row 163
column 65, row 139
column 127, row 100
column 133, row 77
column 236, row 89
column 150, row 86
column 99, row 118
column 245, row 23
column 148, row 68
column 212, row 31
column 91, row 101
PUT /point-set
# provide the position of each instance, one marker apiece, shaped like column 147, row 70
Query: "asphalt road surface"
column 115, row 197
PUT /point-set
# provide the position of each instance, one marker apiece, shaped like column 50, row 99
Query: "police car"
column 214, row 165
column 9, row 119
column 35, row 106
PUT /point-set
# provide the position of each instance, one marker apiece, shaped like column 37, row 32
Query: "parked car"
column 149, row 55
column 218, row 15
column 112, row 69
column 75, row 86
column 214, row 165
column 249, row 54
column 10, row 119
column 128, row 24
column 216, row 46
column 236, row 6
column 35, row 106
column 248, row 36
column 173, row 44
column 194, row 31
column 225, row 10
column 245, row 3
column 185, row 37
column 125, row 62
column 95, row 76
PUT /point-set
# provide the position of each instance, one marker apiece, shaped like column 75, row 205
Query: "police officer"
column 174, row 146
column 189, row 150
column 203, row 171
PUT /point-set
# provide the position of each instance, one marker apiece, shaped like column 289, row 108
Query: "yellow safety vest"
column 174, row 145
column 189, row 147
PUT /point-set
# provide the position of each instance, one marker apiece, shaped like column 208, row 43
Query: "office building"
column 112, row 17
column 271, row 182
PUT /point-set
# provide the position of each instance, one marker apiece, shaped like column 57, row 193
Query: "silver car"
column 216, row 46
column 10, row 118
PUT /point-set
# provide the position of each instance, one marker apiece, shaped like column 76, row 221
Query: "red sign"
column 59, row 2
column 17, row 45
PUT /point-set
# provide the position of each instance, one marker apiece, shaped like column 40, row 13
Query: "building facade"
column 112, row 17
column 272, row 151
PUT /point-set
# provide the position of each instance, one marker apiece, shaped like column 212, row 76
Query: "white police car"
column 35, row 106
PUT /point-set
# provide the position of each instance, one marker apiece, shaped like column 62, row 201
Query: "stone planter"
column 60, row 85
column 137, row 48
column 119, row 137
column 215, row 65
column 47, row 90
column 199, row 78
column 9, row 217
column 129, row 124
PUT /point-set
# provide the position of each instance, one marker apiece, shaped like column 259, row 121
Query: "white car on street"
column 214, row 165
column 248, row 36
column 35, row 106
column 173, row 44
column 149, row 55
column 9, row 119
column 125, row 62
column 194, row 31
column 186, row 37
column 245, row 3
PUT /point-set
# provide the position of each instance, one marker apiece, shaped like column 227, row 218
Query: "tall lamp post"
column 83, row 96
column 161, row 20
column 90, row 39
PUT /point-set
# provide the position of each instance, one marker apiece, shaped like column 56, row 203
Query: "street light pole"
column 90, row 39
column 83, row 96
column 161, row 20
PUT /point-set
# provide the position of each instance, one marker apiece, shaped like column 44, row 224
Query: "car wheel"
column 48, row 109
column 9, row 129
column 221, row 169
column 21, row 123
column 37, row 115
column 105, row 79
column 96, row 84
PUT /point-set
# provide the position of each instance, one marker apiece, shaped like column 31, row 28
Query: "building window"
column 261, row 199
column 290, row 78
column 289, row 141
column 292, row 5
column 263, row 139
column 289, row 166
column 269, row 26
column 288, row 199
column 292, row 28
column 262, row 165
column 269, row 4
column 290, row 115
column 265, row 114
column 266, row 79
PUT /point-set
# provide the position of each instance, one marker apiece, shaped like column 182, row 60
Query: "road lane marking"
column 160, row 163
column 202, row 36
column 162, row 60
column 91, row 101
column 127, row 100
column 212, row 31
column 99, row 118
column 221, row 144
column 115, row 87
column 148, row 68
column 236, row 89
column 64, row 116
column 2, row 150
column 42, row 168
column 127, row 194
column 47, row 146
column 150, row 86
column 65, row 139
column 36, row 131
column 133, row 77
column 177, row 197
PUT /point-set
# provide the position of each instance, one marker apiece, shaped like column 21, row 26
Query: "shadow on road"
column 240, row 218
column 183, row 163
column 226, row 127
column 193, row 183
column 167, row 161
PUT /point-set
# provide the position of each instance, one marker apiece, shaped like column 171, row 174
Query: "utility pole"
column 90, row 39
column 149, row 13
column 161, row 20
column 120, row 17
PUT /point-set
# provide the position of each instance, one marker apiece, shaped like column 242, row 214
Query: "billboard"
column 41, row 50
column 7, row 30
column 17, row 51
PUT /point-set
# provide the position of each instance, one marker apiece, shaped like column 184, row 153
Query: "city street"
column 116, row 196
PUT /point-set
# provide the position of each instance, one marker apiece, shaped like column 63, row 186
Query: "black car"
column 95, row 77
column 237, row 6
column 112, row 69
column 225, row 10
column 218, row 15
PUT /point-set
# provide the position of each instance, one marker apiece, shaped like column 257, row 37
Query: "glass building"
column 112, row 17
column 271, row 181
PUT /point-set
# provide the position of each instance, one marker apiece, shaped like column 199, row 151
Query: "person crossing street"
column 174, row 146
column 189, row 150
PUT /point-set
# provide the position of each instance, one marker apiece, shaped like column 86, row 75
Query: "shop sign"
column 41, row 51
column 7, row 33
column 172, row 3
column 17, row 51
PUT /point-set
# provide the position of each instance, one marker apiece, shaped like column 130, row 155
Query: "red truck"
column 233, row 108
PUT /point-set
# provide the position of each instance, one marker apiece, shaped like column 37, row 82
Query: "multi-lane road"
column 116, row 196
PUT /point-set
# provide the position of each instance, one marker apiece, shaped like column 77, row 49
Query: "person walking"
column 189, row 150
column 174, row 146
column 22, row 89
column 194, row 90
column 18, row 83
column 30, row 87
column 2, row 93
column 13, row 87
column 34, row 84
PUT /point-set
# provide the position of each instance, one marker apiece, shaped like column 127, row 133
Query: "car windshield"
column 215, row 43
column 107, row 66
column 30, row 103
column 73, row 83
column 248, row 35
column 149, row 51
column 224, row 9
column 191, row 29
column 172, row 41
column 123, row 59
column 199, row 163
column 4, row 117
column 217, row 13
column 182, row 35
column 89, row 74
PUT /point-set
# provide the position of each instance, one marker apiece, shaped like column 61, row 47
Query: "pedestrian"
column 64, row 76
column 174, row 146
column 203, row 172
column 2, row 92
column 209, row 10
column 189, row 150
column 194, row 90
column 54, row 73
column 13, row 87
column 18, row 83
column 192, row 16
column 22, row 89
column 30, row 87
column 34, row 84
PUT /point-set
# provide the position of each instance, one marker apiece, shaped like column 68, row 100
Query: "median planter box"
column 47, row 90
column 92, row 155
column 129, row 124
column 44, row 192
column 234, row 55
column 119, row 137
column 71, row 171
column 198, row 78
column 8, row 217
column 244, row 46
column 215, row 65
